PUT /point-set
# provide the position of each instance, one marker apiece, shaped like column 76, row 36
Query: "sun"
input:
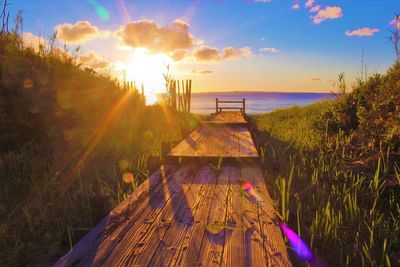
column 148, row 69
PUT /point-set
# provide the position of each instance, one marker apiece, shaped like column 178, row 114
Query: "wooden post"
column 187, row 96
column 174, row 96
column 184, row 95
column 244, row 106
column 190, row 94
column 179, row 97
column 216, row 105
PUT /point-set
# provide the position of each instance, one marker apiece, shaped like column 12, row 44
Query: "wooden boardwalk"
column 228, row 117
column 189, row 215
column 217, row 141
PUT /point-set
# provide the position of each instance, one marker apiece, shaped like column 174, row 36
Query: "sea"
column 256, row 102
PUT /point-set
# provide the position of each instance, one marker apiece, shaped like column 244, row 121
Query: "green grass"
column 66, row 141
column 348, row 216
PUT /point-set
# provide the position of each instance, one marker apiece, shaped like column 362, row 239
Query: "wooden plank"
column 115, row 224
column 176, row 233
column 233, row 251
column 139, row 236
column 275, row 249
column 217, row 142
column 187, row 253
column 255, row 250
column 187, row 145
column 210, row 253
column 228, row 117
column 246, row 144
column 157, row 201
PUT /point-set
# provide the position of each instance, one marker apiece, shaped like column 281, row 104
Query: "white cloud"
column 269, row 49
column 362, row 32
column 315, row 9
column 80, row 32
column 296, row 6
column 263, row 1
column 330, row 12
column 33, row 41
column 309, row 3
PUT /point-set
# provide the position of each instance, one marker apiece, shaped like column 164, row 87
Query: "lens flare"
column 128, row 177
column 298, row 245
column 249, row 188
column 100, row 10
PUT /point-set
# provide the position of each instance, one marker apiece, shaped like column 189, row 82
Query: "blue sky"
column 303, row 53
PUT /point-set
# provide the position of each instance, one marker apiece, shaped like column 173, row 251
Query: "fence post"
column 244, row 105
column 190, row 95
column 216, row 105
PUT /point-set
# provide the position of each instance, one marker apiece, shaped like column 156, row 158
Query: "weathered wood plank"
column 189, row 248
column 234, row 249
column 184, row 217
column 255, row 251
column 187, row 145
column 210, row 253
column 246, row 143
column 228, row 117
column 275, row 249
column 113, row 226
column 138, row 237
column 217, row 142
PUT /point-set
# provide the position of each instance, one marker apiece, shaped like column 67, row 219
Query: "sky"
column 259, row 45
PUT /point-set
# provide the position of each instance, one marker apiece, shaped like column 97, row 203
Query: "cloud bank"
column 80, row 32
column 211, row 54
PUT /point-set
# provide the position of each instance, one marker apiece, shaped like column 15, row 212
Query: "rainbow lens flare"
column 247, row 186
column 100, row 10
column 298, row 245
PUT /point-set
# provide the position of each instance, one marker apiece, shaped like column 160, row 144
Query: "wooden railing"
column 219, row 108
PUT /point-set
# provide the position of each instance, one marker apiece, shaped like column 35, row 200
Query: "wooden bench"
column 219, row 108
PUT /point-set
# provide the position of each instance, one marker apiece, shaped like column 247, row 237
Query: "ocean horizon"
column 256, row 102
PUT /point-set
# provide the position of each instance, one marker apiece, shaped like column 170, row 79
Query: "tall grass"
column 349, row 215
column 68, row 135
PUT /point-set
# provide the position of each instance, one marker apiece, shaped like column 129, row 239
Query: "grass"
column 68, row 137
column 348, row 216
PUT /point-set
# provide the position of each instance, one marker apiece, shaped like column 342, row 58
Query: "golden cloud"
column 147, row 34
column 93, row 60
column 201, row 72
column 33, row 41
column 206, row 53
column 210, row 54
column 80, row 32
column 178, row 55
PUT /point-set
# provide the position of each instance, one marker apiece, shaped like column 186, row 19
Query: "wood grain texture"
column 217, row 141
column 210, row 252
column 192, row 215
column 228, row 117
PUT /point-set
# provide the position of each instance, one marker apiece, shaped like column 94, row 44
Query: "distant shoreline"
column 262, row 92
